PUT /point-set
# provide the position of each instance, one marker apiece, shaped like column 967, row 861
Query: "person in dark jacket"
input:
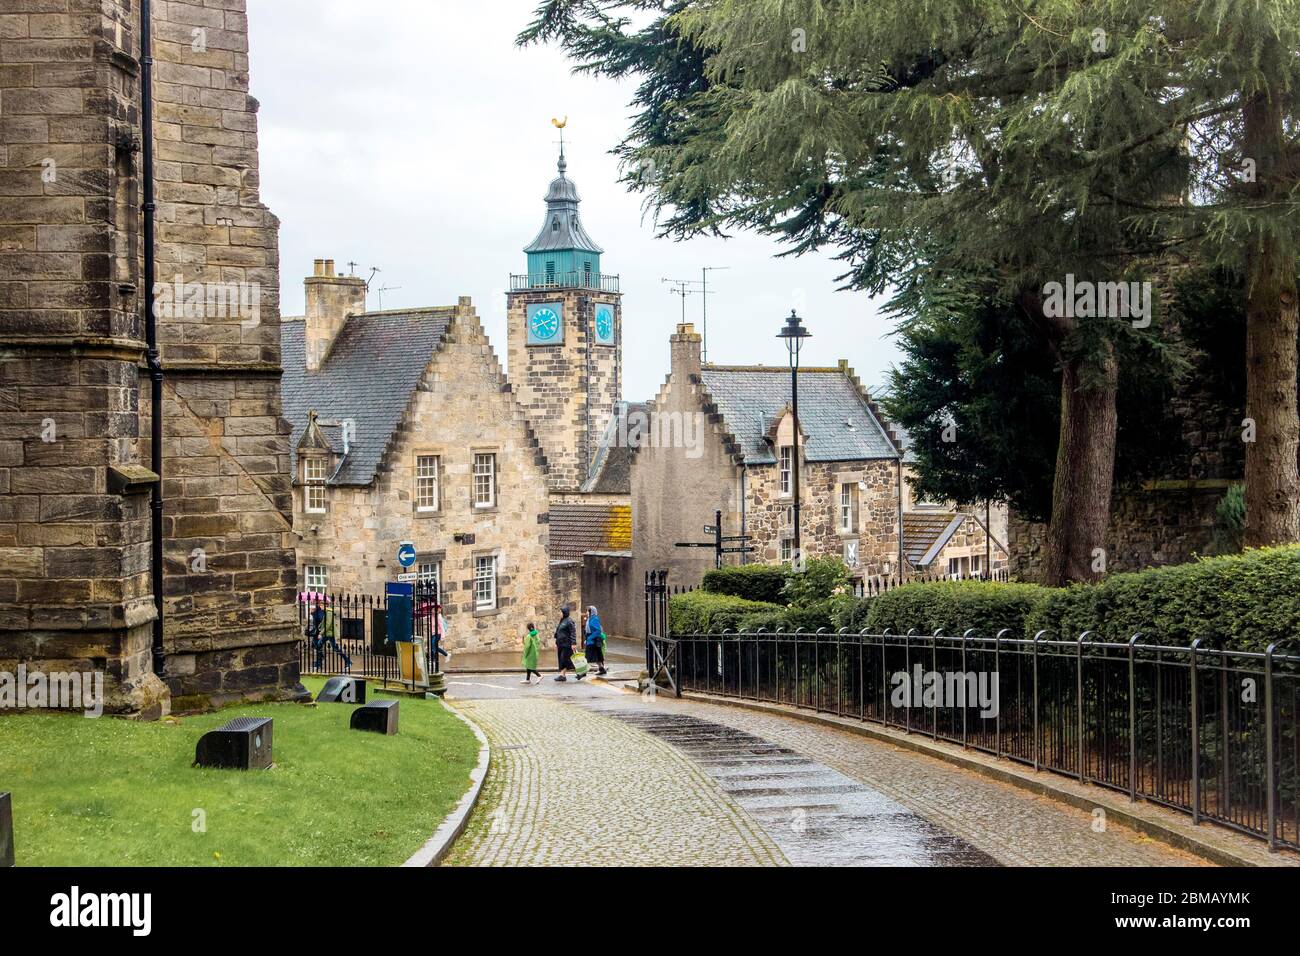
column 566, row 638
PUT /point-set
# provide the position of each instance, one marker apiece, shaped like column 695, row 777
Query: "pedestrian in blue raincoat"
column 594, row 640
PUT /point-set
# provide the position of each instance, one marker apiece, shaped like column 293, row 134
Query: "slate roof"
column 369, row 376
column 837, row 422
column 611, row 470
column 579, row 528
column 926, row 532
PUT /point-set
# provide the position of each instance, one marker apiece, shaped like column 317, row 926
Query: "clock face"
column 544, row 324
column 605, row 325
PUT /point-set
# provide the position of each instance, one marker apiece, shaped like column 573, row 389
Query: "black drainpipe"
column 152, row 357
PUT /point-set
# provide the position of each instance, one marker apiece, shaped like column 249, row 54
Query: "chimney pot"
column 320, row 267
column 329, row 267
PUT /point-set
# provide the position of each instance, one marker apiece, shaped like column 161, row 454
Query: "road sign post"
column 716, row 544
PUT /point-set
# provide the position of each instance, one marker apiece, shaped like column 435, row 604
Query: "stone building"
column 75, row 410
column 721, row 438
column 405, row 429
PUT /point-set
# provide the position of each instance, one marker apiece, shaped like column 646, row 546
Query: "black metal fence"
column 1209, row 732
column 359, row 644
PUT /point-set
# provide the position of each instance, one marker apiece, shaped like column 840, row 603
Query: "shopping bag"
column 580, row 664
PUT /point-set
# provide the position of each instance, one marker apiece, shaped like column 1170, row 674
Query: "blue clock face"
column 605, row 325
column 544, row 324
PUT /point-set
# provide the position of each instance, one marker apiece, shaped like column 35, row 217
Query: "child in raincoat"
column 531, row 647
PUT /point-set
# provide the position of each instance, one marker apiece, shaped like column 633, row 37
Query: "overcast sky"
column 415, row 136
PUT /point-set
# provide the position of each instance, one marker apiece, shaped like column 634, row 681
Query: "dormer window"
column 555, row 224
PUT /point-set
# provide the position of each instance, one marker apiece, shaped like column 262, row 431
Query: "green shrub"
column 953, row 607
column 698, row 611
column 821, row 579
column 754, row 582
column 1243, row 601
column 851, row 614
column 767, row 620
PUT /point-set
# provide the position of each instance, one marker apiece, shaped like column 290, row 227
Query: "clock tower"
column 565, row 338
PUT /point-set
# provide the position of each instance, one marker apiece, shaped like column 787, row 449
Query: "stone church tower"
column 76, row 589
column 565, row 338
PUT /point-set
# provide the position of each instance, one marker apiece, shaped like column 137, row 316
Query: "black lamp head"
column 794, row 333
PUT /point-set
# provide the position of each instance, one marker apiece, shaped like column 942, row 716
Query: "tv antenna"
column 681, row 287
column 382, row 290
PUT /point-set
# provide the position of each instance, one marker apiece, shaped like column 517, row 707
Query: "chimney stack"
column 330, row 300
column 685, row 352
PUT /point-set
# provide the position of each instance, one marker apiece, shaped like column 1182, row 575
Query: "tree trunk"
column 1272, row 482
column 1085, row 468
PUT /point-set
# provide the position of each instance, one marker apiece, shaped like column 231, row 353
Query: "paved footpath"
column 585, row 773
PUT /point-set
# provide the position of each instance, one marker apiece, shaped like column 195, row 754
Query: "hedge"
column 1242, row 601
column 954, row 607
column 810, row 617
column 754, row 582
column 698, row 611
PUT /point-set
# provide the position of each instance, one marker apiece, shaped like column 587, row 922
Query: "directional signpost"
column 718, row 542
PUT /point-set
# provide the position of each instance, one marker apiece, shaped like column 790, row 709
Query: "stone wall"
column 1167, row 522
column 460, row 408
column 876, row 529
column 568, row 390
column 74, row 407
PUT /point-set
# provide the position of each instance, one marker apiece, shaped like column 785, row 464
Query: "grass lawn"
column 112, row 792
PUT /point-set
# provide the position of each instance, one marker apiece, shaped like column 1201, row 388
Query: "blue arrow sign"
column 406, row 554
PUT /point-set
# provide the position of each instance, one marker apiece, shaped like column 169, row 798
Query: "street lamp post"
column 794, row 333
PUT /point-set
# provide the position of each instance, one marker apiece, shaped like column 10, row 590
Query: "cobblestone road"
column 1013, row 826
column 562, row 749
column 570, row 787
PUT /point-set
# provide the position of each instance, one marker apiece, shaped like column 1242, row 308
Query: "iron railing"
column 1209, row 732
column 360, row 646
column 596, row 281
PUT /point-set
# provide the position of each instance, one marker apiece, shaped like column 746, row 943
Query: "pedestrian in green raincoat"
column 531, row 646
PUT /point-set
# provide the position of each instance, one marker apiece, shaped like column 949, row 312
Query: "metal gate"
column 661, row 658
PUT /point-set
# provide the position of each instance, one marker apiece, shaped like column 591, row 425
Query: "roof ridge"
column 711, row 367
column 422, row 310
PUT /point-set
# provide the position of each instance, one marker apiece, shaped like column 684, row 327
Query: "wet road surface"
column 816, row 815
column 812, row 813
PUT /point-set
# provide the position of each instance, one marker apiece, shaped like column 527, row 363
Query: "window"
column 313, row 474
column 848, row 506
column 787, row 459
column 485, row 582
column 315, row 577
column 426, row 483
column 550, row 269
column 851, row 552
column 430, row 576
column 975, row 564
column 787, row 549
column 954, row 567
column 485, row 481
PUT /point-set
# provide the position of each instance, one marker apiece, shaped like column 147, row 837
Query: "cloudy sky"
column 415, row 136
